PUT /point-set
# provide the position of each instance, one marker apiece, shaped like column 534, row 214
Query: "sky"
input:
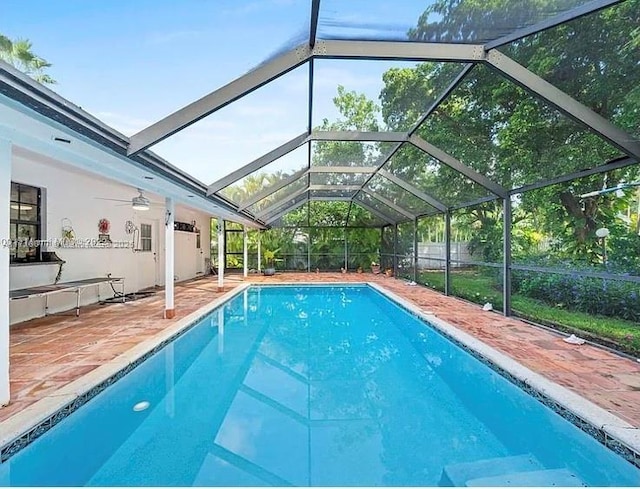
column 131, row 63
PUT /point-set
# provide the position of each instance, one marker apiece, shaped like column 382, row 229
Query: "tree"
column 19, row 54
column 510, row 136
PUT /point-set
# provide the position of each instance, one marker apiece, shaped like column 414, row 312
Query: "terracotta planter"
column 375, row 269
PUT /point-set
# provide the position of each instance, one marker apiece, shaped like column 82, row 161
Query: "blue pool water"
column 314, row 386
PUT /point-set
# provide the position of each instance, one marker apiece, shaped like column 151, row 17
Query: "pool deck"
column 48, row 353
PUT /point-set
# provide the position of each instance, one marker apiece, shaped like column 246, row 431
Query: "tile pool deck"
column 49, row 353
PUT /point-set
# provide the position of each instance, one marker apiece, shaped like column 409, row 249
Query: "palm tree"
column 18, row 53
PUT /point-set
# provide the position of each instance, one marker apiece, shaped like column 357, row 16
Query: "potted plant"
column 269, row 259
column 359, row 269
column 388, row 272
column 375, row 267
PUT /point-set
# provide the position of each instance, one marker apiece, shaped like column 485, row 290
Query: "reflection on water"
column 311, row 386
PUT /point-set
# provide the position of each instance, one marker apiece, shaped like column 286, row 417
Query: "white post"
column 246, row 251
column 245, row 306
column 170, row 373
column 169, row 247
column 5, row 189
column 220, row 254
column 220, row 330
column 259, row 251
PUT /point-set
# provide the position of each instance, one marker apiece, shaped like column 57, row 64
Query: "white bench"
column 75, row 287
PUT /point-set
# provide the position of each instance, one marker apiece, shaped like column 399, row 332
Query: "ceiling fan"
column 137, row 203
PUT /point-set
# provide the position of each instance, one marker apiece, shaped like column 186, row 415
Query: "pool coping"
column 616, row 434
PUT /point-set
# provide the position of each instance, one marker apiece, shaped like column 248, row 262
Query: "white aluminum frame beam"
column 221, row 253
column 265, row 212
column 290, row 208
column 169, row 259
column 343, row 169
column 472, row 203
column 313, row 23
column 413, row 190
column 263, row 194
column 452, row 162
column 364, row 136
column 410, row 51
column 329, row 199
column 610, row 166
column 442, row 97
column 290, row 60
column 374, row 211
column 556, row 20
column 245, row 257
column 389, row 203
column 219, row 98
column 563, row 102
column 434, row 105
column 258, row 163
column 346, row 188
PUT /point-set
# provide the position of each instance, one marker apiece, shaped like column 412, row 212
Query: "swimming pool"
column 311, row 385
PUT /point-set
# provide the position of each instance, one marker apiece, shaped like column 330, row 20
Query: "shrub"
column 614, row 298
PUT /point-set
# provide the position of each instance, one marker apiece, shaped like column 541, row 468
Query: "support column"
column 346, row 251
column 220, row 330
column 309, row 251
column 395, row 250
column 5, row 189
column 259, row 251
column 447, row 253
column 245, row 250
column 506, row 270
column 169, row 251
column 221, row 262
column 415, row 250
column 170, row 379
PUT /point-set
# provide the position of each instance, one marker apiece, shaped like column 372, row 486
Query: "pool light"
column 141, row 406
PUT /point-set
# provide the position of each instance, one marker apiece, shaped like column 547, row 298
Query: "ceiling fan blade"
column 113, row 200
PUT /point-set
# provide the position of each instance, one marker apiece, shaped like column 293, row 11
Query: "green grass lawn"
column 479, row 287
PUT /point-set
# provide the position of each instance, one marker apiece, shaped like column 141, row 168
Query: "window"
column 25, row 228
column 145, row 237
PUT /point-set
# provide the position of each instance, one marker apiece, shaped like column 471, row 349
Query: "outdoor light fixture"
column 603, row 234
column 140, row 203
column 141, row 406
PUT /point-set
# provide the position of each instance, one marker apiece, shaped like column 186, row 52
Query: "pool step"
column 458, row 474
column 539, row 478
column 519, row 470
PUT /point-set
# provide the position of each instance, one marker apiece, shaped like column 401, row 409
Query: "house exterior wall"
column 70, row 195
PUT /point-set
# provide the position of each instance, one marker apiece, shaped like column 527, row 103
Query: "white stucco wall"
column 71, row 195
